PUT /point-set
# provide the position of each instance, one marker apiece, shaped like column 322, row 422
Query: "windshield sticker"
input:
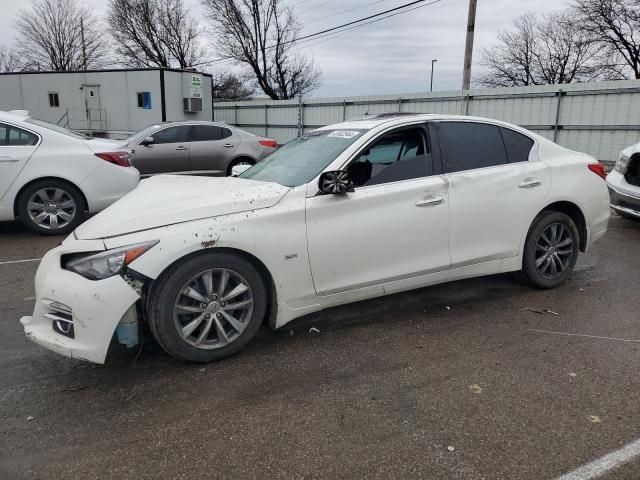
column 344, row 134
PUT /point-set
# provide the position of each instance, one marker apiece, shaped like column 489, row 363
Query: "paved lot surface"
column 383, row 390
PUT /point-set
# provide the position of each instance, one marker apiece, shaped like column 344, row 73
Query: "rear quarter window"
column 518, row 145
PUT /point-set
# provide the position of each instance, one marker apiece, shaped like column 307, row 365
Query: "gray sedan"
column 196, row 148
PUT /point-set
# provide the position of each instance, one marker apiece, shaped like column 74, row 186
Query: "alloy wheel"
column 554, row 250
column 213, row 308
column 51, row 208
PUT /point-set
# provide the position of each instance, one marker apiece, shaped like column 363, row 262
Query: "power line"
column 332, row 35
column 316, row 7
column 369, row 4
column 322, row 34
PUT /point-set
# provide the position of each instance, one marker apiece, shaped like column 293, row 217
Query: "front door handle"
column 228, row 145
column 182, row 147
column 7, row 159
column 530, row 183
column 430, row 201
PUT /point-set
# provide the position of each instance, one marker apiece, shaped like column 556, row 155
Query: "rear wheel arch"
column 240, row 159
column 40, row 179
column 575, row 213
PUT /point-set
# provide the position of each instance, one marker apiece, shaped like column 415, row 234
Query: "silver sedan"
column 197, row 148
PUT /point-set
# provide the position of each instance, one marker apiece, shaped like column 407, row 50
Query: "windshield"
column 57, row 128
column 302, row 159
column 143, row 133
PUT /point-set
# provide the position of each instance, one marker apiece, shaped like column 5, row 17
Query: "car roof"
column 368, row 122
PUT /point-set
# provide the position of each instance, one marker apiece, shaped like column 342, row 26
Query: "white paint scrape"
column 605, row 464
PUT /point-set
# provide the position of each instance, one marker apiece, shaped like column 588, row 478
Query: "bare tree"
column 154, row 33
column 228, row 86
column 261, row 35
column 59, row 35
column 551, row 49
column 616, row 24
column 9, row 60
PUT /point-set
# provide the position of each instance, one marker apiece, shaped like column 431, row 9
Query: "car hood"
column 635, row 148
column 169, row 199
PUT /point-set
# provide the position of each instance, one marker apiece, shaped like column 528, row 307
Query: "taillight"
column 598, row 169
column 118, row 158
column 269, row 143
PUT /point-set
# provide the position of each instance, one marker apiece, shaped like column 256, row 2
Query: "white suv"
column 50, row 177
column 624, row 183
column 345, row 213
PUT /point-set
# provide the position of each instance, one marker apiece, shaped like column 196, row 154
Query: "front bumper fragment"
column 96, row 308
column 623, row 202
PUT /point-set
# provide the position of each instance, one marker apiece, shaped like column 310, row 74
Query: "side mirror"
column 336, row 182
column 147, row 141
column 238, row 169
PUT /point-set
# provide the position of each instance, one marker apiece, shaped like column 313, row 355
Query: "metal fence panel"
column 596, row 118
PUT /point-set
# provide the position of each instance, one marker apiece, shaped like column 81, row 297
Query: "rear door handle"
column 530, row 183
column 430, row 201
column 7, row 159
column 181, row 147
column 228, row 145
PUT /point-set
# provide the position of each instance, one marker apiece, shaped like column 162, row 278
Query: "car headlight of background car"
column 622, row 163
column 101, row 265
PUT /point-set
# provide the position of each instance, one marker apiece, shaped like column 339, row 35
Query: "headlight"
column 622, row 163
column 98, row 266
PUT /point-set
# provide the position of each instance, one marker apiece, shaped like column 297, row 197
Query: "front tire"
column 208, row 307
column 51, row 207
column 551, row 250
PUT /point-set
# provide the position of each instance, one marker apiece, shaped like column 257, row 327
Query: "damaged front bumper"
column 74, row 316
column 622, row 201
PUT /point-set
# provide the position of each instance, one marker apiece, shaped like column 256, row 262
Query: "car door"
column 212, row 148
column 496, row 187
column 16, row 147
column 393, row 226
column 168, row 153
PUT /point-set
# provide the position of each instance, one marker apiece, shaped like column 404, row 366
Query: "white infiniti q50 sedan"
column 348, row 212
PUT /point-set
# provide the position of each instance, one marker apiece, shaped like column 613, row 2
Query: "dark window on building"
column 397, row 156
column 466, row 145
column 54, row 100
column 178, row 134
column 11, row 136
column 518, row 146
column 144, row 100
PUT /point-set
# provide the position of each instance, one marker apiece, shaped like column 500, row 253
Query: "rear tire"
column 239, row 161
column 551, row 250
column 208, row 307
column 51, row 207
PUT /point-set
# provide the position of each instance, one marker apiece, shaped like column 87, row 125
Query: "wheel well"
column 272, row 306
column 57, row 179
column 241, row 157
column 573, row 211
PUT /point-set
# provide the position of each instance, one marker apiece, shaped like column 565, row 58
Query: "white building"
column 110, row 103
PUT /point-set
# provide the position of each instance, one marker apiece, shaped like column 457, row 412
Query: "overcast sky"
column 393, row 56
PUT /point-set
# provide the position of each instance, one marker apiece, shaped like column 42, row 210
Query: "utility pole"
column 468, row 49
column 84, row 45
column 432, row 63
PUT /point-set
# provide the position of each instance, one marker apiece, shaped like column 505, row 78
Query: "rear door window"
column 470, row 145
column 518, row 146
column 205, row 133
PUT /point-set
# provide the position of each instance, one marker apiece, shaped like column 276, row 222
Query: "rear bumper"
column 95, row 308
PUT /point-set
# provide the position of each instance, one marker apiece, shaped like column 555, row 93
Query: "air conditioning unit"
column 192, row 104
